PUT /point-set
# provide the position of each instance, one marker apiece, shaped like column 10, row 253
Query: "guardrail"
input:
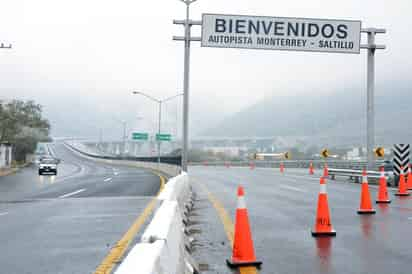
column 168, row 169
column 343, row 164
column 172, row 160
column 356, row 175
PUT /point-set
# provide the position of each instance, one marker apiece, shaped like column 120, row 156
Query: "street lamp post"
column 124, row 126
column 160, row 102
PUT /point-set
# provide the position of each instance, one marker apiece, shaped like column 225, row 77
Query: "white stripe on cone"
column 241, row 203
column 322, row 189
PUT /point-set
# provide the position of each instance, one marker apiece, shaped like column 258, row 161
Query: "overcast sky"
column 97, row 52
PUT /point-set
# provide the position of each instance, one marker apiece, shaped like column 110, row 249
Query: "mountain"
column 336, row 118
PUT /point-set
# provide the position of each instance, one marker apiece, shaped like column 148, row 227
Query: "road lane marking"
column 116, row 173
column 72, row 193
column 117, row 252
column 293, row 188
column 107, row 180
column 3, row 213
column 227, row 225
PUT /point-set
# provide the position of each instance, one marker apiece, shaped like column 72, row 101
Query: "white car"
column 48, row 165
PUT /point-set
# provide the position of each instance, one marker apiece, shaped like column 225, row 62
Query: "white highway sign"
column 280, row 33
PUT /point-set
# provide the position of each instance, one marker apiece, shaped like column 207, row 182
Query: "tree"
column 22, row 125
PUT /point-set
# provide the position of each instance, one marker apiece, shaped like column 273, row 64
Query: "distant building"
column 5, row 155
column 354, row 154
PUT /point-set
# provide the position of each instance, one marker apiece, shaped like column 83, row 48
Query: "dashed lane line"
column 3, row 213
column 118, row 251
column 72, row 193
column 293, row 188
column 227, row 225
column 107, row 180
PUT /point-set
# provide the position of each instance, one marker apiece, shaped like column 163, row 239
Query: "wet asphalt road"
column 68, row 223
column 282, row 213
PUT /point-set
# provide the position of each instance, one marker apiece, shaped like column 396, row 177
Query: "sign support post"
column 187, row 38
column 370, row 112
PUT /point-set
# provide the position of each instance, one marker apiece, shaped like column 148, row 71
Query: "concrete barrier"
column 149, row 263
column 167, row 231
column 164, row 246
column 167, row 226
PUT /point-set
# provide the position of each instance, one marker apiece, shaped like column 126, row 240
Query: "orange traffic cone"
column 403, row 189
column 243, row 251
column 281, row 167
column 383, row 190
column 311, row 171
column 325, row 171
column 365, row 203
column 323, row 226
column 409, row 181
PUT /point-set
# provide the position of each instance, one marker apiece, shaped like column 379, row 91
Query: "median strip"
column 72, row 193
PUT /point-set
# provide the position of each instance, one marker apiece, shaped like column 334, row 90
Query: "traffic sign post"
column 370, row 104
column 282, row 33
column 187, row 39
column 140, row 136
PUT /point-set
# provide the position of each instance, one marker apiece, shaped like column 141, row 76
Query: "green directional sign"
column 163, row 137
column 140, row 136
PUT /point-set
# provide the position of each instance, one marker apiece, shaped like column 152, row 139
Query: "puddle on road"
column 367, row 223
column 46, row 180
column 384, row 208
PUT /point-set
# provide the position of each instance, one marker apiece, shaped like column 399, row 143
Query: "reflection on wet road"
column 282, row 211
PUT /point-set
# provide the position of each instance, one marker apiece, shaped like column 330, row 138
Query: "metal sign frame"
column 371, row 47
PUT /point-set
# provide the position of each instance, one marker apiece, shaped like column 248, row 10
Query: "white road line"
column 72, row 193
column 410, row 218
column 115, row 174
column 107, row 180
column 3, row 213
column 293, row 188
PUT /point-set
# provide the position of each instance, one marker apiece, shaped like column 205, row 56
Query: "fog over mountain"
column 337, row 117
